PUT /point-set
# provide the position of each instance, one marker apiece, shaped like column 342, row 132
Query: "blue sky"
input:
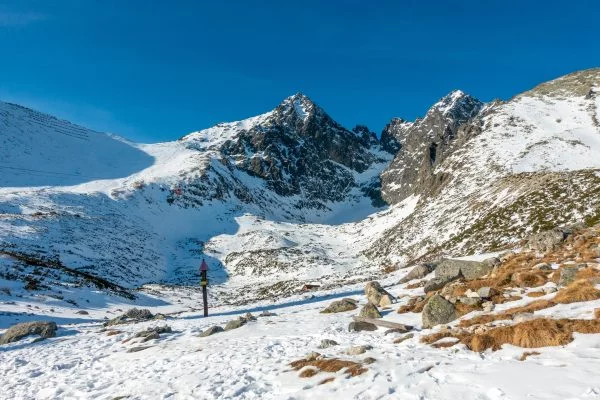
column 156, row 70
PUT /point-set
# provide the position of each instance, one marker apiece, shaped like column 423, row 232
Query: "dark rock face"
column 300, row 149
column 19, row 331
column 424, row 144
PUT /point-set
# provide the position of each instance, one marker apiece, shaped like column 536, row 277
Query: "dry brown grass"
column 597, row 313
column 327, row 380
column 330, row 365
column 581, row 290
column 500, row 299
column 530, row 278
column 414, row 305
column 527, row 354
column 587, row 273
column 415, row 285
column 507, row 314
column 113, row 332
column 309, row 372
column 536, row 294
column 464, row 309
column 389, row 268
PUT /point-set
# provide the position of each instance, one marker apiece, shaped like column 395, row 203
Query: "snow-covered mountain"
column 291, row 196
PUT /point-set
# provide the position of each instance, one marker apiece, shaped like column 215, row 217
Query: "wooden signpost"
column 204, row 283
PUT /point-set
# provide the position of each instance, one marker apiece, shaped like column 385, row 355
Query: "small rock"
column 542, row 267
column 437, row 311
column 160, row 316
column 488, row 306
column 368, row 360
column 313, row 356
column 250, row 317
column 522, row 317
column 82, row 312
column 403, row 338
column 487, row 292
column 356, row 350
column 394, row 330
column 340, row 306
column 369, row 311
column 385, row 301
column 19, row 331
column 326, row 343
column 138, row 348
column 470, row 301
column 235, row 324
column 567, row 275
column 418, row 272
column 113, row 332
column 211, row 331
column 151, row 336
column 356, row 326
column 266, row 314
column 471, row 294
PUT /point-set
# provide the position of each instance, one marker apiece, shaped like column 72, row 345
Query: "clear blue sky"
column 156, row 70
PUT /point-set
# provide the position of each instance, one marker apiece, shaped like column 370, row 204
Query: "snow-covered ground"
column 252, row 362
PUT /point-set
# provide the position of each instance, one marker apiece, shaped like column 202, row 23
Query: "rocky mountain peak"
column 298, row 106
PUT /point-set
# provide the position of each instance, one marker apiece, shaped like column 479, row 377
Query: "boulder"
column 17, row 332
column 340, row 306
column 522, row 317
column 438, row 311
column 326, row 343
column 418, row 272
column 470, row 301
column 157, row 330
column 361, row 326
column 451, row 270
column 394, row 330
column 369, row 311
column 369, row 360
column 436, row 284
column 313, row 355
column 385, row 301
column 567, row 275
column 266, row 314
column 249, row 317
column 375, row 292
column 132, row 315
column 82, row 312
column 235, row 324
column 356, row 350
column 546, row 241
column 211, row 331
column 488, row 306
column 403, row 338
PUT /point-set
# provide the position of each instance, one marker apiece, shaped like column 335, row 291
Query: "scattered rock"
column 487, row 292
column 418, row 272
column 340, row 306
column 151, row 336
column 356, row 350
column 522, row 317
column 313, row 356
column 154, row 332
column 356, row 326
column 17, row 332
column 138, row 348
column 394, row 330
column 369, row 311
column 567, row 275
column 438, row 311
column 488, row 306
column 235, row 324
column 542, row 267
column 82, row 312
column 211, row 331
column 132, row 315
column 249, row 317
column 326, row 343
column 385, row 301
column 403, row 338
column 266, row 314
column 375, row 292
column 450, row 270
column 471, row 294
column 470, row 301
column 436, row 284
column 369, row 360
column 544, row 242
column 113, row 332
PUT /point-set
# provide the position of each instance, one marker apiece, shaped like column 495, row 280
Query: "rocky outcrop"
column 423, row 145
column 19, row 331
column 340, row 306
column 377, row 295
column 418, row 272
column 369, row 311
column 546, row 241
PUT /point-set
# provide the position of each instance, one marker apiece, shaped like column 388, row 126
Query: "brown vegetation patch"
column 587, row 273
column 308, row 372
column 581, row 290
column 414, row 305
column 329, row 365
column 327, row 380
column 464, row 309
column 536, row 294
column 597, row 313
column 507, row 314
column 415, row 285
column 535, row 333
column 527, row 354
column 113, row 332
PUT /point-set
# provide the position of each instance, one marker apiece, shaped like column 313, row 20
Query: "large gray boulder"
column 436, row 284
column 369, row 311
column 418, row 272
column 211, row 331
column 235, row 323
column 17, row 332
column 450, row 269
column 377, row 295
column 340, row 306
column 438, row 311
column 567, row 275
column 546, row 241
